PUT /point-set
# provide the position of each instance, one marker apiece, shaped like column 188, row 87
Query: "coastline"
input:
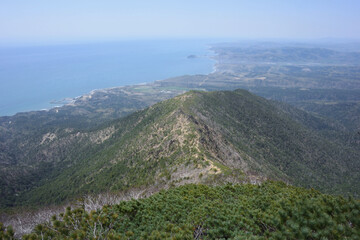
column 71, row 101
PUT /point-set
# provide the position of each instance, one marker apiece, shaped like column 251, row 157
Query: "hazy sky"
column 74, row 20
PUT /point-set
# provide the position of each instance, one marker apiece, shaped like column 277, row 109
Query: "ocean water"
column 33, row 77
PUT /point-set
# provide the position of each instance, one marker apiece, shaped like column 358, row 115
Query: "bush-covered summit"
column 271, row 210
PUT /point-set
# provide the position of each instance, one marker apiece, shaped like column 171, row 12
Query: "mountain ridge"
column 197, row 137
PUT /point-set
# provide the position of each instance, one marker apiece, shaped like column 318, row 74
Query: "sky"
column 25, row 21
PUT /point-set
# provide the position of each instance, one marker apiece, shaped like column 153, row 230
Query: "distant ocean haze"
column 33, row 77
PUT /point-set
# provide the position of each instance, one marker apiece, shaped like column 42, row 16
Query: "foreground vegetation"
column 272, row 210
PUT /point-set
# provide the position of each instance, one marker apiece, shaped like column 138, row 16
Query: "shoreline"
column 71, row 101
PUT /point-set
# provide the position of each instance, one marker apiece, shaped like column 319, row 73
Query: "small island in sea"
column 192, row 56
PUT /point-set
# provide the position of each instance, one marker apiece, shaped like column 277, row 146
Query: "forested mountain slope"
column 207, row 137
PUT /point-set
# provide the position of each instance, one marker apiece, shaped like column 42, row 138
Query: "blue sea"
column 33, row 77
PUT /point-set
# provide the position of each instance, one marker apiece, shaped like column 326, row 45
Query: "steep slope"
column 282, row 139
column 25, row 136
column 206, row 137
